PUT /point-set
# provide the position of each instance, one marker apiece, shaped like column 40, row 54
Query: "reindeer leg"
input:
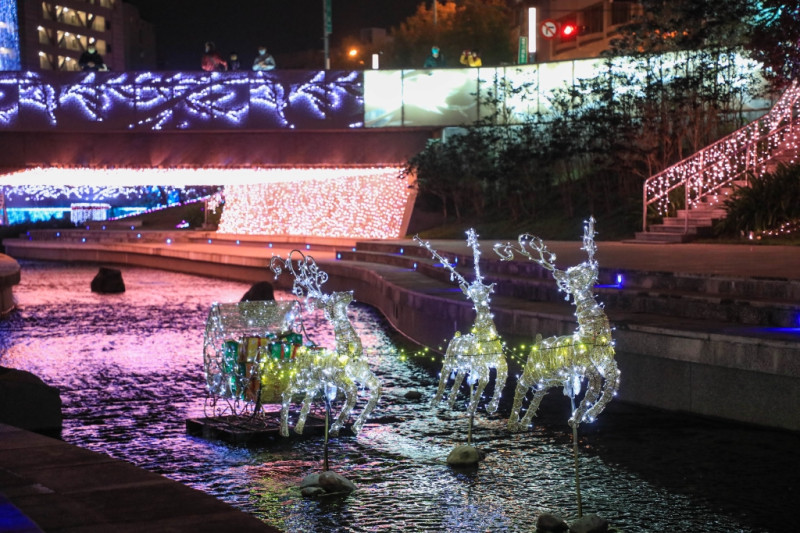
column 447, row 369
column 301, row 420
column 533, row 407
column 519, row 397
column 595, row 382
column 610, row 386
column 501, row 373
column 286, row 400
column 371, row 382
column 476, row 393
column 457, row 381
column 350, row 397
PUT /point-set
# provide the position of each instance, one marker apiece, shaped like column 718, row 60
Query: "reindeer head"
column 308, row 278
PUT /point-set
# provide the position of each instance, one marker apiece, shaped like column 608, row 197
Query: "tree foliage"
column 469, row 24
column 775, row 40
column 766, row 203
column 657, row 99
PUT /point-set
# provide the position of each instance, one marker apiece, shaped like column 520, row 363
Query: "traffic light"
column 569, row 31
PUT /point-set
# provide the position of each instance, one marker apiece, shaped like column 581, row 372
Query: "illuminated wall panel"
column 185, row 100
column 9, row 36
column 361, row 203
column 343, row 203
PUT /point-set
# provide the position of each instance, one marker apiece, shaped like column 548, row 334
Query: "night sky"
column 182, row 26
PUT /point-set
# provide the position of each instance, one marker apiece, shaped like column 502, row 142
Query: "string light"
column 157, row 101
column 568, row 360
column 476, row 353
column 709, row 173
column 353, row 203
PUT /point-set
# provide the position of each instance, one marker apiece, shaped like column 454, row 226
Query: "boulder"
column 464, row 456
column 551, row 523
column 333, row 482
column 590, row 523
column 27, row 402
column 108, row 281
column 324, row 483
column 413, row 395
column 259, row 292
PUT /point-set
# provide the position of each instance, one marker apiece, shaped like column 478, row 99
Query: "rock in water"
column 108, row 281
column 259, row 292
column 550, row 523
column 28, row 403
column 464, row 456
column 333, row 482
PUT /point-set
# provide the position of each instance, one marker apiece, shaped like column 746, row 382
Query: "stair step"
column 673, row 228
column 652, row 236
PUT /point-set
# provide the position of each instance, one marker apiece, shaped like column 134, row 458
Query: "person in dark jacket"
column 435, row 60
column 91, row 60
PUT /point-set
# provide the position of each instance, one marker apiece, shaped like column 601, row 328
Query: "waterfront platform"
column 49, row 485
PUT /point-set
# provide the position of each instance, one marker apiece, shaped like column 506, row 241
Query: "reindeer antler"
column 308, row 278
column 588, row 239
column 544, row 257
column 463, row 283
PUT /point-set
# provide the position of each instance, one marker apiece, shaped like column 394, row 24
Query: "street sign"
column 548, row 29
column 328, row 16
column 522, row 54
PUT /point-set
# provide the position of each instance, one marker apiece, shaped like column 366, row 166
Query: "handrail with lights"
column 743, row 152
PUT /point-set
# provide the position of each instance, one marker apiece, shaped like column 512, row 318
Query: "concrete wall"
column 9, row 276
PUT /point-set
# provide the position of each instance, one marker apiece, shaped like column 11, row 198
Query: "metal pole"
column 327, row 424
column 575, row 455
column 326, row 31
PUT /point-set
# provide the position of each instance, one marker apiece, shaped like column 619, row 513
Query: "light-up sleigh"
column 254, row 354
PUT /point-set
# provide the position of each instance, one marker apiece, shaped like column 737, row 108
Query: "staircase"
column 708, row 177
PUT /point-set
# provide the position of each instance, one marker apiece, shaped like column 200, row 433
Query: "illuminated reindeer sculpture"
column 587, row 353
column 329, row 371
column 477, row 352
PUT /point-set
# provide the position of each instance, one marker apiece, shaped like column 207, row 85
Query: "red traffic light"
column 569, row 30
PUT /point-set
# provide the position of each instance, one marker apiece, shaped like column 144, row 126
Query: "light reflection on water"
column 129, row 368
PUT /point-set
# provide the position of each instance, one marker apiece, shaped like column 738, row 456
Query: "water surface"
column 129, row 368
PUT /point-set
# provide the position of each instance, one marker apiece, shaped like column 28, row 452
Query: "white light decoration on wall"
column 366, row 203
column 587, row 354
column 370, row 203
column 186, row 100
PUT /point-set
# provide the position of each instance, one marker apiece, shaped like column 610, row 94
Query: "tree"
column 474, row 24
column 775, row 41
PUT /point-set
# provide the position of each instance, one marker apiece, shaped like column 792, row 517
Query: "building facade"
column 54, row 33
column 561, row 30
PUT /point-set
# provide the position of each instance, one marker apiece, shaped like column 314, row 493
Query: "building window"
column 621, row 12
column 592, row 19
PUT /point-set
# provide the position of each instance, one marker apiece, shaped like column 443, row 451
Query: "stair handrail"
column 707, row 171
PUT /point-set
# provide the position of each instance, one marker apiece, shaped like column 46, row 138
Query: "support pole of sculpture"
column 327, row 425
column 575, row 455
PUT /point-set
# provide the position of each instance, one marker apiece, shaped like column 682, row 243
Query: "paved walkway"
column 49, row 485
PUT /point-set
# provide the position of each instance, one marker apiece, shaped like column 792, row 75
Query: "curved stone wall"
column 9, row 276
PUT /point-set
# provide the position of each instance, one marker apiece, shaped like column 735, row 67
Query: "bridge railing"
column 743, row 153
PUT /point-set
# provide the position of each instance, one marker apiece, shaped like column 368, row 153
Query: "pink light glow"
column 370, row 203
column 346, row 203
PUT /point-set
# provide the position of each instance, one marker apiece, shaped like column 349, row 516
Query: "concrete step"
column 756, row 303
column 660, row 237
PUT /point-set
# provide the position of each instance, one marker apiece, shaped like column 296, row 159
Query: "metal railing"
column 741, row 154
